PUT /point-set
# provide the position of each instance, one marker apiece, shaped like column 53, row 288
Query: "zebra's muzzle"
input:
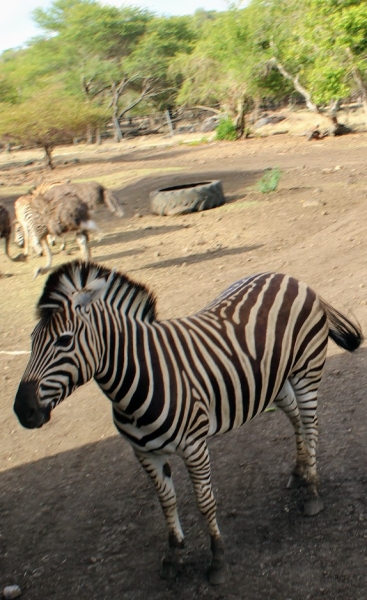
column 30, row 414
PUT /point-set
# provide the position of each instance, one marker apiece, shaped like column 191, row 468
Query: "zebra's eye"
column 64, row 340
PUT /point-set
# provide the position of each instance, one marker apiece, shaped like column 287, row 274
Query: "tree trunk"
column 48, row 157
column 362, row 90
column 240, row 119
column 89, row 134
column 169, row 121
column 98, row 136
column 117, row 133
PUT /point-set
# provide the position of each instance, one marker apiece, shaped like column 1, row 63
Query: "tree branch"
column 297, row 86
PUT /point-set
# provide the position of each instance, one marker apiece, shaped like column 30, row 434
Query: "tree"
column 318, row 45
column 88, row 27
column 47, row 120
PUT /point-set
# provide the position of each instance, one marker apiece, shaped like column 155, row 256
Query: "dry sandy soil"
column 78, row 518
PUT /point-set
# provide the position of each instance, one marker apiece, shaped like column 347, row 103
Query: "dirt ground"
column 78, row 518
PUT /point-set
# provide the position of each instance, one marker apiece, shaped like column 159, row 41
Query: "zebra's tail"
column 342, row 331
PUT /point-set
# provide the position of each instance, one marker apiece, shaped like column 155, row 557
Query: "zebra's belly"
column 246, row 401
column 145, row 439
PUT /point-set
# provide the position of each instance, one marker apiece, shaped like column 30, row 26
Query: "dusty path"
column 78, row 519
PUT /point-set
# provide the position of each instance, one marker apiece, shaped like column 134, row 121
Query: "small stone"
column 313, row 202
column 11, row 591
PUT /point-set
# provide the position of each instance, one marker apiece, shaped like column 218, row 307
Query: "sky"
column 17, row 26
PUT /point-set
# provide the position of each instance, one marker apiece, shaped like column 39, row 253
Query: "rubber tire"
column 187, row 198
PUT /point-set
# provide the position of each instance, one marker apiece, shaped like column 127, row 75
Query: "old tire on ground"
column 187, row 198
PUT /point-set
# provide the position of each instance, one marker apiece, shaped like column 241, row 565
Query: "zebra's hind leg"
column 198, row 465
column 304, row 420
column 159, row 470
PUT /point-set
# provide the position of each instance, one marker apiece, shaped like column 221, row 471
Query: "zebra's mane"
column 77, row 276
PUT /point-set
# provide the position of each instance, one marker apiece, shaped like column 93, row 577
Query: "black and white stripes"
column 174, row 383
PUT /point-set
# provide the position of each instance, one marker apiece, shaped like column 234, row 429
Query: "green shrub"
column 269, row 181
column 226, row 130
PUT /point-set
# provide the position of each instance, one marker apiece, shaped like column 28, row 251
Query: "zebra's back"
column 223, row 365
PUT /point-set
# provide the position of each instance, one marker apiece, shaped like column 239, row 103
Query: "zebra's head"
column 65, row 347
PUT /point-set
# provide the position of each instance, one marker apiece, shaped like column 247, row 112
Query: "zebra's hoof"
column 295, row 481
column 169, row 569
column 313, row 506
column 216, row 575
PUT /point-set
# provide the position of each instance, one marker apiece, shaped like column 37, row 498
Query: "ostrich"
column 68, row 196
column 5, row 232
column 40, row 218
column 57, row 218
column 92, row 193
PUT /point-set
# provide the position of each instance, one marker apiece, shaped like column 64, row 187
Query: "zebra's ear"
column 92, row 292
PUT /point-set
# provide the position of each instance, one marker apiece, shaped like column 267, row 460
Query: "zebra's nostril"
column 31, row 413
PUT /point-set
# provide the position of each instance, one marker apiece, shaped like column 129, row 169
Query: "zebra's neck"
column 124, row 337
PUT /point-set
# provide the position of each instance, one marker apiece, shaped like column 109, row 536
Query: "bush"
column 226, row 130
column 269, row 181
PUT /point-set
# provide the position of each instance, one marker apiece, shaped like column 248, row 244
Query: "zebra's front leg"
column 304, row 420
column 47, row 253
column 198, row 465
column 159, row 470
column 82, row 239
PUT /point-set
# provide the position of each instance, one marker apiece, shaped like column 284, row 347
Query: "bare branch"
column 294, row 79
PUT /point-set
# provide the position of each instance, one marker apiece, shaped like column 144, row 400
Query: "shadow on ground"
column 86, row 523
column 200, row 257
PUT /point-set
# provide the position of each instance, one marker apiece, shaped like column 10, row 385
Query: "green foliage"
column 90, row 27
column 48, row 119
column 226, row 130
column 126, row 58
column 201, row 141
column 269, row 181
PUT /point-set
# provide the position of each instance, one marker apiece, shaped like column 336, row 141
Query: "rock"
column 209, row 124
column 11, row 591
column 313, row 202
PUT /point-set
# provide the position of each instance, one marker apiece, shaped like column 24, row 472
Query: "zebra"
column 25, row 232
column 39, row 218
column 5, row 232
column 174, row 383
column 90, row 193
